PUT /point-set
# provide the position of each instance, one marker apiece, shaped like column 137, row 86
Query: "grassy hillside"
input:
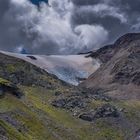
column 33, row 118
column 48, row 109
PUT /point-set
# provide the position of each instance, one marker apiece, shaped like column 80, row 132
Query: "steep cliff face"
column 119, row 74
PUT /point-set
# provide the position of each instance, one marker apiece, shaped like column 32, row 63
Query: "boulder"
column 106, row 110
column 32, row 57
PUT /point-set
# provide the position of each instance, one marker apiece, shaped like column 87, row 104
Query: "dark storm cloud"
column 65, row 26
column 120, row 19
column 11, row 34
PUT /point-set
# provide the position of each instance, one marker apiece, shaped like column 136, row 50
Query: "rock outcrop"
column 70, row 102
column 104, row 111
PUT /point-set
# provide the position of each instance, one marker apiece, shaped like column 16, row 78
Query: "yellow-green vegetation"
column 66, row 125
column 97, row 103
column 13, row 134
column 7, row 104
column 4, row 82
column 11, row 68
column 38, row 120
column 107, row 131
column 131, row 109
column 30, row 127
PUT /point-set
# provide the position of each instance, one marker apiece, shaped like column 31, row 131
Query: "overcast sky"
column 65, row 26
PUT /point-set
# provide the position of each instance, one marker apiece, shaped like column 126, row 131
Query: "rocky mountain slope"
column 36, row 105
column 119, row 75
